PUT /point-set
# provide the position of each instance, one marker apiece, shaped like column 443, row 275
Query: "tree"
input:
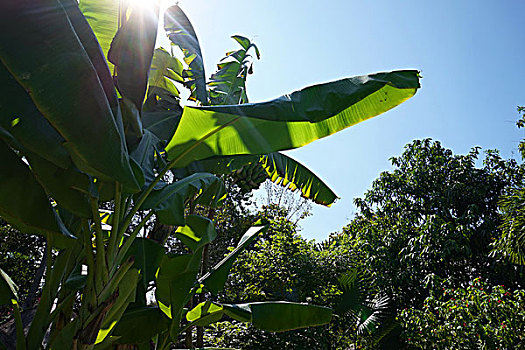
column 71, row 147
column 432, row 218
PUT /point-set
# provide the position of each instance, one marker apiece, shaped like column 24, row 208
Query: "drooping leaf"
column 139, row 325
column 77, row 108
column 291, row 174
column 216, row 278
column 197, row 232
column 279, row 316
column 181, row 33
column 131, row 119
column 288, row 122
column 23, row 201
column 168, row 202
column 131, row 51
column 7, row 289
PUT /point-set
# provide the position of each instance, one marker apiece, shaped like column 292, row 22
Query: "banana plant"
column 83, row 128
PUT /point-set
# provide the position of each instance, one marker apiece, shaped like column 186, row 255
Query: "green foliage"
column 432, row 218
column 478, row 316
column 284, row 266
column 104, row 173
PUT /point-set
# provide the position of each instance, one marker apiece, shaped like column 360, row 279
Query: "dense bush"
column 475, row 317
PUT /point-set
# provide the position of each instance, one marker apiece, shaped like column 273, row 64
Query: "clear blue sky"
column 470, row 53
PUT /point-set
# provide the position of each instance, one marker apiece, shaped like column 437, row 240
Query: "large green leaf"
column 24, row 126
column 176, row 276
column 103, row 18
column 197, row 232
column 175, row 279
column 162, row 123
column 216, row 278
column 7, row 289
column 168, row 202
column 181, row 33
column 288, row 122
column 23, row 201
column 148, row 255
column 132, row 50
column 139, row 325
column 64, row 85
column 92, row 47
column 68, row 187
column 146, row 154
column 279, row 316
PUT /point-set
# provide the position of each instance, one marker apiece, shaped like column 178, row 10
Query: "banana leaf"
column 168, row 202
column 64, row 86
column 289, row 122
column 103, row 18
column 131, row 52
column 25, row 127
column 279, row 316
column 92, row 47
column 197, row 232
column 164, row 71
column 23, row 201
column 279, row 168
column 181, row 33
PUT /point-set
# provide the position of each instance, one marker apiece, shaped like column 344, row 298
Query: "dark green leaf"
column 284, row 316
column 24, row 123
column 139, row 325
column 162, row 123
column 279, row 316
column 168, row 202
column 148, row 255
column 131, row 52
column 77, row 108
column 23, row 201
